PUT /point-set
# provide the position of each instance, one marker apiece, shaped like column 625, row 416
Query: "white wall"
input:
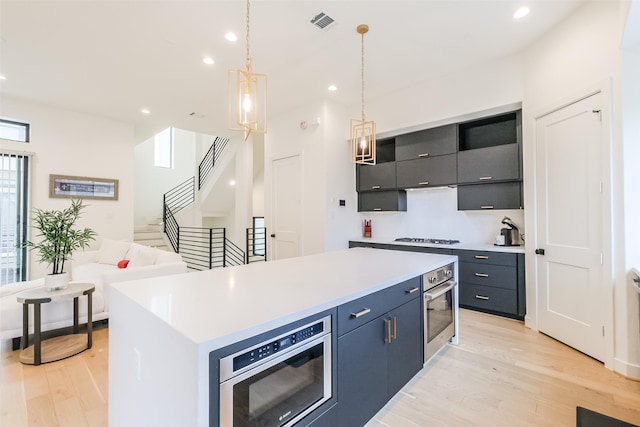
column 580, row 54
column 152, row 182
column 69, row 143
column 631, row 153
column 433, row 213
column 285, row 139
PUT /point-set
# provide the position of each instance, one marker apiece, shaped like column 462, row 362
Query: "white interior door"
column 569, row 210
column 286, row 208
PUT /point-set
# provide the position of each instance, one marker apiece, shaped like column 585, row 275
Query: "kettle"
column 512, row 234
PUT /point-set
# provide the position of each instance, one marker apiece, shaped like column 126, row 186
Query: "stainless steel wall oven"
column 441, row 309
column 279, row 381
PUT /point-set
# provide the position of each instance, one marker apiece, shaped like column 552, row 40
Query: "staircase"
column 151, row 235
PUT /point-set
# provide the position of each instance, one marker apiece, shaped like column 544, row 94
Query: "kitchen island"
column 163, row 330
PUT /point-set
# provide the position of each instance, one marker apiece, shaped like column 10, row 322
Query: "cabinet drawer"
column 500, row 163
column 498, row 276
column 376, row 177
column 500, row 195
column 487, row 257
column 426, row 143
column 427, row 172
column 487, row 298
column 371, row 306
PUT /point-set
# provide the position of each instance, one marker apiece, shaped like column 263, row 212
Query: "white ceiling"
column 113, row 58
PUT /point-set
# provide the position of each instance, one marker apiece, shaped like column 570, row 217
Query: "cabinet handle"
column 423, row 155
column 375, row 187
column 485, row 178
column 486, row 207
column 395, row 328
column 481, row 257
column 377, row 209
column 387, row 338
column 361, row 313
column 423, row 183
column 482, row 297
column 481, row 275
column 412, row 290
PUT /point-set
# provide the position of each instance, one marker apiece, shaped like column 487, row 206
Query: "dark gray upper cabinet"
column 427, row 143
column 427, row 172
column 490, row 149
column 381, row 176
column 382, row 201
column 500, row 195
column 499, row 163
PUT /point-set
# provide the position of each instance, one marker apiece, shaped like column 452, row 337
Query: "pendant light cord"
column 362, row 75
column 248, row 30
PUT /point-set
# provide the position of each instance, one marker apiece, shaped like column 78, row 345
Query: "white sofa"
column 99, row 267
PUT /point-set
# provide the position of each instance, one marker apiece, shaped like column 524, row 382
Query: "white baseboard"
column 629, row 370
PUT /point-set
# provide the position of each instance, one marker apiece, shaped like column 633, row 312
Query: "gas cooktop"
column 431, row 241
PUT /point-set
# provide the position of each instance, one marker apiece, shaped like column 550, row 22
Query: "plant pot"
column 54, row 282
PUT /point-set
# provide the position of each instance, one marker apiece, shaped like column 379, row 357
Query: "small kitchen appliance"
column 511, row 234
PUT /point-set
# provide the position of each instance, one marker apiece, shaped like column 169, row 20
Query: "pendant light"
column 363, row 133
column 247, row 96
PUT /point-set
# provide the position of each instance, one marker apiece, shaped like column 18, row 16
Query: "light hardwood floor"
column 501, row 374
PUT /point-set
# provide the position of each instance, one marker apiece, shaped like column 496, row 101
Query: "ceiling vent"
column 322, row 20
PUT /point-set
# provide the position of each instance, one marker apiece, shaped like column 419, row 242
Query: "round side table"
column 52, row 349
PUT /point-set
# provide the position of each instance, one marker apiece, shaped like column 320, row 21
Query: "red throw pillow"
column 123, row 263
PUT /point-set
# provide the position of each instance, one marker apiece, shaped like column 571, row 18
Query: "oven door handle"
column 439, row 291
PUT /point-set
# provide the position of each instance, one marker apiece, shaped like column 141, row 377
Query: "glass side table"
column 52, row 349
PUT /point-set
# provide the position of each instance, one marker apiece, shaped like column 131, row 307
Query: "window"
column 14, row 131
column 163, row 153
column 14, row 174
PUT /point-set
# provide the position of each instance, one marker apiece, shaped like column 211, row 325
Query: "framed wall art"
column 82, row 187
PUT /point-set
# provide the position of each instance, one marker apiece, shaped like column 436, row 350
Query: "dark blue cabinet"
column 378, row 357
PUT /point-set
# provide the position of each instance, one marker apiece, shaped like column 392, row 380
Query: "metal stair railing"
column 209, row 160
column 256, row 244
column 207, row 248
column 181, row 196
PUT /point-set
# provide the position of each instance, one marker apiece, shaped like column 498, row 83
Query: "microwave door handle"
column 438, row 292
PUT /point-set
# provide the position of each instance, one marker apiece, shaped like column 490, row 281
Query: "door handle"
column 481, row 257
column 482, row 297
column 273, row 235
column 539, row 251
column 423, row 155
column 375, row 187
column 395, row 328
column 486, row 207
column 482, row 275
column 387, row 338
column 412, row 290
column 423, row 183
column 361, row 313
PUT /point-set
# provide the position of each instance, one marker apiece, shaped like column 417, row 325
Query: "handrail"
column 234, row 255
column 208, row 162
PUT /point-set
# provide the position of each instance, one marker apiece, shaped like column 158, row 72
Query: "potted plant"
column 59, row 240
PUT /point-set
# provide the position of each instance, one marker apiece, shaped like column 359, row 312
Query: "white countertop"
column 225, row 305
column 461, row 245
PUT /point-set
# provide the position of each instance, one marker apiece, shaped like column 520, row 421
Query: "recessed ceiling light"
column 521, row 13
column 145, row 111
column 332, row 88
column 232, row 183
column 208, row 60
column 231, row 37
column 3, row 78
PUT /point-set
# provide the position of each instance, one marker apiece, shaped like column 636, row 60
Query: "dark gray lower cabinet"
column 328, row 419
column 499, row 195
column 371, row 369
column 492, row 282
